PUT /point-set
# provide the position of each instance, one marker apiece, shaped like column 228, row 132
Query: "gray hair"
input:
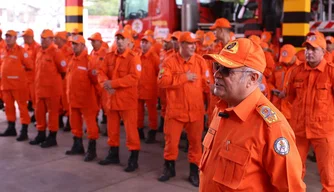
column 250, row 70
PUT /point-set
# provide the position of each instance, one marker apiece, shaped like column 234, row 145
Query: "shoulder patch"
column 267, row 114
column 138, row 66
column 282, row 146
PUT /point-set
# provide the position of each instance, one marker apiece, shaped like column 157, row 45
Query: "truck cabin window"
column 135, row 9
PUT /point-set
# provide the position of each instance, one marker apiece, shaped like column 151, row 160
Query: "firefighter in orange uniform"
column 249, row 145
column 330, row 45
column 222, row 28
column 2, row 54
column 157, row 46
column 62, row 43
column 148, row 89
column 50, row 70
column 185, row 77
column 119, row 76
column 287, row 61
column 311, row 95
column 96, row 59
column 82, row 99
column 32, row 47
column 274, row 50
column 199, row 45
column 14, row 85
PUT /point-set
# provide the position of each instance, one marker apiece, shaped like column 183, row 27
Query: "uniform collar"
column 82, row 55
column 181, row 60
column 98, row 52
column 148, row 53
column 13, row 48
column 124, row 54
column 247, row 105
column 320, row 67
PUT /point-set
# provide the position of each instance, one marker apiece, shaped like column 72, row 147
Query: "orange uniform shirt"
column 311, row 95
column 250, row 147
column 148, row 86
column 14, row 63
column 184, row 98
column 80, row 83
column 50, row 64
column 124, row 72
column 32, row 51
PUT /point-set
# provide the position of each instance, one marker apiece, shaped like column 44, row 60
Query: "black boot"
column 161, row 126
column 151, row 136
column 60, row 121
column 112, row 157
column 67, row 128
column 32, row 118
column 132, row 162
column 168, row 172
column 24, row 133
column 77, row 147
column 30, row 108
column 91, row 152
column 104, row 119
column 2, row 106
column 40, row 138
column 141, row 133
column 193, row 175
column 51, row 140
column 10, row 131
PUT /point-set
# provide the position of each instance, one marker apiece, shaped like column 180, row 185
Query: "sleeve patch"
column 207, row 74
column 26, row 55
column 282, row 146
column 138, row 67
column 63, row 63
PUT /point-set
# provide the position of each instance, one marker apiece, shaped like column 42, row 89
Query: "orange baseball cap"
column 315, row 32
column 287, row 53
column 47, row 33
column 96, row 36
column 123, row 33
column 176, row 35
column 188, row 37
column 209, row 38
column 11, row 33
column 255, row 38
column 61, row 34
column 199, row 34
column 315, row 41
column 330, row 39
column 266, row 36
column 28, row 32
column 77, row 39
column 240, row 53
column 168, row 38
column 148, row 38
column 221, row 23
column 149, row 32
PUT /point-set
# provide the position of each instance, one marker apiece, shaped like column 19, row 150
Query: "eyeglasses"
column 224, row 71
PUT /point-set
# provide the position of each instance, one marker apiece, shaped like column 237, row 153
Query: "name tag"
column 12, row 77
column 13, row 56
column 82, row 68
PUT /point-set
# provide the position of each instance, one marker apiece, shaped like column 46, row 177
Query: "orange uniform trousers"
column 129, row 118
column 173, row 129
column 163, row 101
column 21, row 97
column 324, row 150
column 151, row 105
column 51, row 106
column 87, row 114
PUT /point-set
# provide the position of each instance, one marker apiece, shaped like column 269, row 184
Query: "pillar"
column 74, row 16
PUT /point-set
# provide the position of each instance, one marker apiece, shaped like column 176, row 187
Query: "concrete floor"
column 30, row 168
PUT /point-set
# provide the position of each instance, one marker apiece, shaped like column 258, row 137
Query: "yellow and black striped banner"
column 74, row 16
column 296, row 21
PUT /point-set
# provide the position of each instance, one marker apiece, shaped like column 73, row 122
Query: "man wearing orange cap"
column 267, row 37
column 199, row 44
column 311, row 95
column 156, row 45
column 14, row 85
column 96, row 59
column 280, row 78
column 31, row 47
column 249, row 145
column 119, row 76
column 62, row 43
column 49, row 71
column 82, row 99
column 148, row 89
column 330, row 45
column 175, row 40
column 185, row 77
column 222, row 29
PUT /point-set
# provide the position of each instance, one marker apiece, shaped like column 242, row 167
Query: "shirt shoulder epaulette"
column 268, row 114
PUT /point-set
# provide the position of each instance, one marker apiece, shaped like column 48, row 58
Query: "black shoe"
column 132, row 162
column 67, row 128
column 168, row 172
column 312, row 158
column 51, row 140
column 91, row 152
column 60, row 121
column 77, row 147
column 40, row 138
column 193, row 175
column 112, row 157
column 141, row 133
column 2, row 106
column 10, row 131
column 30, row 108
column 24, row 133
column 104, row 119
column 32, row 118
column 161, row 126
column 151, row 137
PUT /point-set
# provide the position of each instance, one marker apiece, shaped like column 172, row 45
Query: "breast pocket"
column 207, row 144
column 322, row 90
column 299, row 88
column 231, row 168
